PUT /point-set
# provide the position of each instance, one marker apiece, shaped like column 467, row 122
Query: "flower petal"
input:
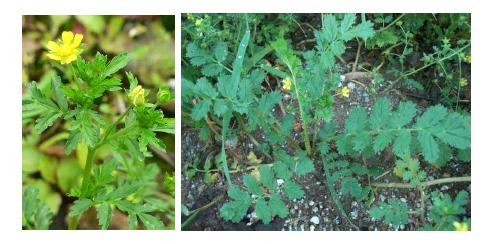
column 67, row 37
column 53, row 56
column 77, row 40
column 70, row 58
column 52, row 46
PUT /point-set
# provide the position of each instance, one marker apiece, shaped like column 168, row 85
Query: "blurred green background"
column 150, row 42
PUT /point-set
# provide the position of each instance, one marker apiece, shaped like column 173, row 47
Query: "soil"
column 317, row 203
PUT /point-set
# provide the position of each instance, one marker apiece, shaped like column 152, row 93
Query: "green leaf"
column 204, row 88
column 220, row 107
column 395, row 212
column 117, row 63
column 211, row 70
column 293, row 190
column 80, row 206
column 361, row 141
column 238, row 63
column 58, row 94
column 281, row 170
column 352, row 186
column 235, row 210
column 132, row 221
column 268, row 101
column 199, row 111
column 429, row 146
column 252, row 184
column 151, row 222
column 402, row 143
column 454, row 132
column 221, row 51
column 330, row 30
column 46, row 120
column 347, row 22
column 363, row 30
column 357, row 120
column 403, row 115
column 263, row 211
column 197, row 56
column 123, row 191
column 304, row 165
column 104, row 215
column 380, row 114
column 277, row 206
column 267, row 177
column 382, row 141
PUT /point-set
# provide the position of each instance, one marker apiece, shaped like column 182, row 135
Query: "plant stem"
column 423, row 67
column 225, row 124
column 391, row 24
column 424, row 184
column 308, row 147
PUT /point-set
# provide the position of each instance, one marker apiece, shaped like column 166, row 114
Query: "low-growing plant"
column 124, row 181
column 226, row 97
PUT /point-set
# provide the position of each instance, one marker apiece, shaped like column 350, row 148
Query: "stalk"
column 424, row 184
column 308, row 148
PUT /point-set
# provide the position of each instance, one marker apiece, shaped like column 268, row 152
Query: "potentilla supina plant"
column 67, row 49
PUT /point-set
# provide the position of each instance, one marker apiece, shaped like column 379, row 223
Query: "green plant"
column 124, row 181
column 35, row 214
column 233, row 102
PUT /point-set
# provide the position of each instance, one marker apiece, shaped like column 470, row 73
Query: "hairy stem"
column 424, row 184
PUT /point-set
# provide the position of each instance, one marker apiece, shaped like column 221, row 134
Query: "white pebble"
column 315, row 220
column 280, row 182
column 312, row 228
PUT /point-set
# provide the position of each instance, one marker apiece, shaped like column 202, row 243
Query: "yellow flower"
column 463, row 82
column 460, row 226
column 345, row 92
column 67, row 49
column 137, row 96
column 468, row 58
column 190, row 16
column 287, row 84
column 198, row 22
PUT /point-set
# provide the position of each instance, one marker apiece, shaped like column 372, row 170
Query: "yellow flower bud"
column 137, row 96
column 463, row 82
column 198, row 22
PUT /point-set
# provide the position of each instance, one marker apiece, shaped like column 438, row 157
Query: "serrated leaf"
column 395, row 213
column 267, row 177
column 46, row 120
column 429, row 146
column 403, row 115
column 263, row 211
column 267, row 101
column 402, row 143
column 220, row 107
column 58, row 94
column 304, row 164
column 151, row 222
column 281, row 170
column 104, row 215
column 252, row 184
column 361, row 141
column 357, row 120
column 123, row 191
column 221, row 51
column 199, row 111
column 211, row 70
column 204, row 88
column 380, row 114
column 117, row 63
column 382, row 141
column 453, row 132
column 277, row 206
column 80, row 206
column 293, row 190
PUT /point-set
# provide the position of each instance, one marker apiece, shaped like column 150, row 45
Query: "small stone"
column 315, row 220
column 351, row 85
column 445, row 188
column 311, row 203
column 280, row 182
column 312, row 227
column 353, row 214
